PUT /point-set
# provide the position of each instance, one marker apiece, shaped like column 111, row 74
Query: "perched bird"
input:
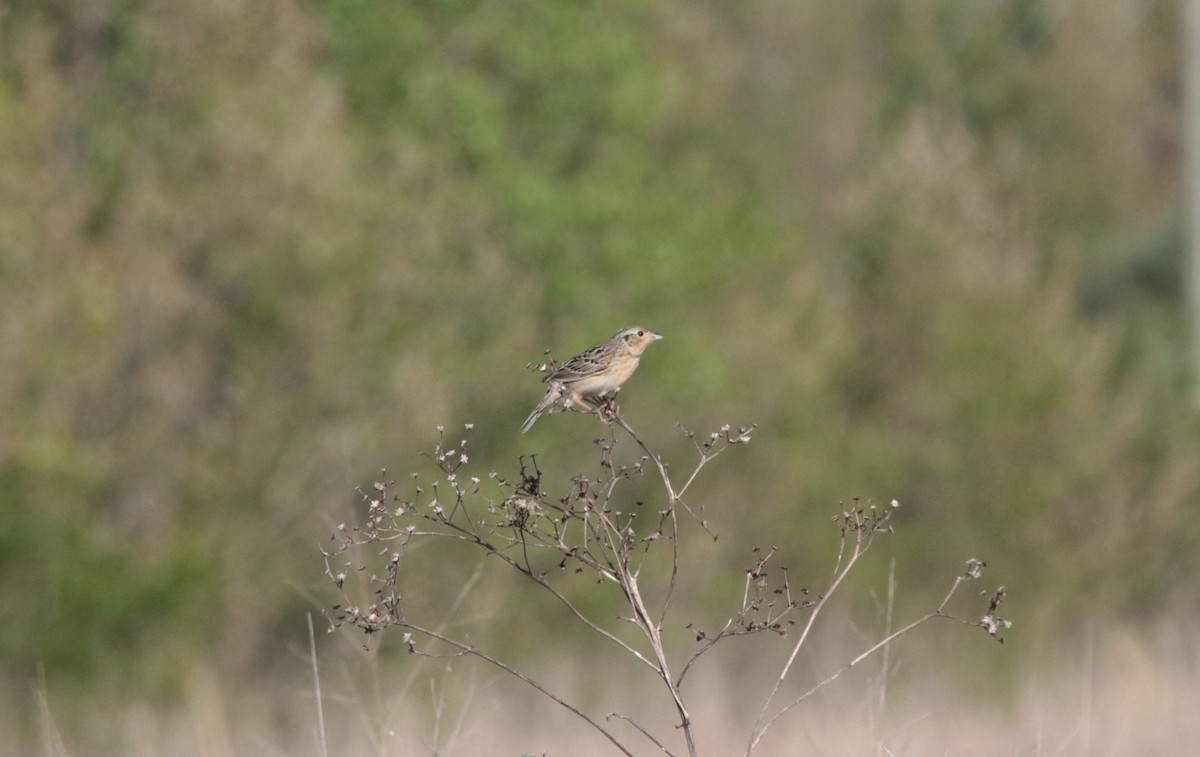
column 596, row 372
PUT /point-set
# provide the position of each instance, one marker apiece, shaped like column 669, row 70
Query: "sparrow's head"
column 637, row 338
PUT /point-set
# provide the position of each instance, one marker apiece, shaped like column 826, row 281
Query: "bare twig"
column 468, row 649
column 312, row 650
column 747, row 621
column 988, row 623
column 641, row 730
column 862, row 525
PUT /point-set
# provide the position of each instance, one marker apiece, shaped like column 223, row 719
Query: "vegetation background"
column 253, row 252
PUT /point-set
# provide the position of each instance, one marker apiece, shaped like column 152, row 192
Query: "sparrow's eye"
column 641, row 333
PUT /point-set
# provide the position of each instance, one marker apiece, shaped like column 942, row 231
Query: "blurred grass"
column 250, row 253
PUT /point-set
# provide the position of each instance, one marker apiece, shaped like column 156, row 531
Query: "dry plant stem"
column 672, row 500
column 463, row 593
column 52, row 740
column 468, row 536
column 642, row 731
column 760, row 727
column 467, row 649
column 675, row 497
column 654, row 634
column 739, row 624
column 658, row 463
column 650, row 626
column 884, row 663
column 940, row 612
column 312, row 649
column 706, row 456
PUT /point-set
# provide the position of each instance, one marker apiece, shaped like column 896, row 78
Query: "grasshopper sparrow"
column 596, row 372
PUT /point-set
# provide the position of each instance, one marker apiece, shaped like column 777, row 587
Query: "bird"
column 595, row 372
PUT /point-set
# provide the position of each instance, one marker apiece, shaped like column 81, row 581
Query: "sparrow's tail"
column 546, row 402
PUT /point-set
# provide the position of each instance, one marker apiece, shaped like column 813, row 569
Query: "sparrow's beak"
column 654, row 336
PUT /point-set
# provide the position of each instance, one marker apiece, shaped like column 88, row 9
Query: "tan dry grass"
column 1125, row 692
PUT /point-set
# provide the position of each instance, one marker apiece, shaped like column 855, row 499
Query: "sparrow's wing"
column 587, row 363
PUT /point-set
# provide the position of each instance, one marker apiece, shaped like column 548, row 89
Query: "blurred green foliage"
column 250, row 253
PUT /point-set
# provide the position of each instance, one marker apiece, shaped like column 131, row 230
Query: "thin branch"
column 658, row 463
column 709, row 643
column 655, row 634
column 672, row 499
column 759, row 727
column 312, row 650
column 744, row 623
column 641, row 730
column 542, row 582
column 939, row 612
column 470, row 650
